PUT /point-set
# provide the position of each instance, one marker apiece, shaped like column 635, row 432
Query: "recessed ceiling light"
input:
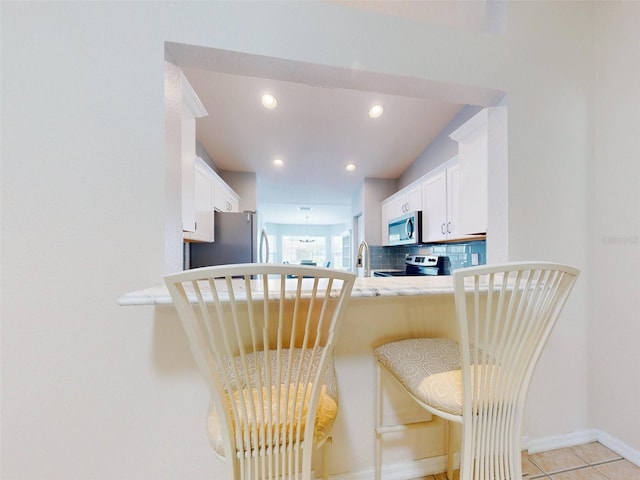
column 350, row 167
column 375, row 111
column 278, row 162
column 269, row 101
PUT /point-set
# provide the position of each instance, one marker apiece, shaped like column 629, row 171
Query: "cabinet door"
column 473, row 184
column 204, row 207
column 220, row 197
column 191, row 109
column 234, row 202
column 472, row 138
column 225, row 200
column 387, row 211
column 453, row 203
column 414, row 199
column 434, row 208
column 400, row 206
column 188, row 166
column 409, row 201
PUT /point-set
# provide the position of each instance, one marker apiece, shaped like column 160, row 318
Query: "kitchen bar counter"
column 363, row 288
column 381, row 309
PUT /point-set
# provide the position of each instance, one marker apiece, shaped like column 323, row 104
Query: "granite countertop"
column 369, row 287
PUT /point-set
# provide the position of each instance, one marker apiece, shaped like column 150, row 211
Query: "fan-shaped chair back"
column 263, row 336
column 505, row 315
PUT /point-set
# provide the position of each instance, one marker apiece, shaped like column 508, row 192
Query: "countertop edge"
column 375, row 287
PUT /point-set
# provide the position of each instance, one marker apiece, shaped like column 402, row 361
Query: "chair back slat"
column 505, row 316
column 263, row 338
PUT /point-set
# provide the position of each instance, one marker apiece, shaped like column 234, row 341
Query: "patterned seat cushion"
column 444, row 390
column 327, row 411
column 307, row 361
column 429, row 368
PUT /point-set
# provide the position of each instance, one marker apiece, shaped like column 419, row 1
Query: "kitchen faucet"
column 364, row 248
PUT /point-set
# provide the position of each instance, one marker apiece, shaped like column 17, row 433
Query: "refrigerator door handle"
column 264, row 246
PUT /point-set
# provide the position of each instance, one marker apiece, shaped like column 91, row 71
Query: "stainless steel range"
column 419, row 265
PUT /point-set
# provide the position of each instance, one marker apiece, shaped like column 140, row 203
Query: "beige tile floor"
column 592, row 461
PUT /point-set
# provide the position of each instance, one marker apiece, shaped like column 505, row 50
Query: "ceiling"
column 321, row 122
column 315, row 131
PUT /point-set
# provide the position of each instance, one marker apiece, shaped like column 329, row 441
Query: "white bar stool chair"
column 505, row 315
column 263, row 337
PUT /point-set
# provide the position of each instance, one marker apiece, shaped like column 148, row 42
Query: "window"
column 304, row 249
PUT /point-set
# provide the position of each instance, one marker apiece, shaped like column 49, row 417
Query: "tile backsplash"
column 460, row 254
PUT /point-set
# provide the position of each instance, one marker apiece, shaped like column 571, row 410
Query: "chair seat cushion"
column 429, row 368
column 444, row 390
column 270, row 421
column 308, row 361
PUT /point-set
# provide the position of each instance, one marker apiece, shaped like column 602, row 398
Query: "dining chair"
column 505, row 314
column 264, row 344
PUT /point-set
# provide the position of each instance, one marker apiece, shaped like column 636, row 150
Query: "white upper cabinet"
column 409, row 200
column 440, row 200
column 225, row 200
column 473, row 162
column 387, row 213
column 406, row 200
column 434, row 211
column 204, row 193
column 211, row 194
column 192, row 108
column 453, row 202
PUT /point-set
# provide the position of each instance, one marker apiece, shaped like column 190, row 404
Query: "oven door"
column 388, row 273
column 405, row 230
column 421, row 272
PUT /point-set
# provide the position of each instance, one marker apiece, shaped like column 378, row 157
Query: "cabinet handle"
column 442, row 229
column 449, row 227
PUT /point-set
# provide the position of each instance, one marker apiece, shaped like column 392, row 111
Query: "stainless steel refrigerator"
column 235, row 241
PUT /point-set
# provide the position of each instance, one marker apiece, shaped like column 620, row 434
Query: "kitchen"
column 223, row 138
column 378, row 299
column 460, row 235
column 82, row 375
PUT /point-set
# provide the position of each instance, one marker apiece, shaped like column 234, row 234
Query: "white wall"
column 93, row 390
column 439, row 151
column 615, row 234
column 374, row 191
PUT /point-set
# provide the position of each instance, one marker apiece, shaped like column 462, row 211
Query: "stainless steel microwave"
column 406, row 230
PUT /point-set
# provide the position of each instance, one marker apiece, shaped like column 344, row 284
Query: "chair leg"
column 450, row 451
column 378, row 454
column 325, row 472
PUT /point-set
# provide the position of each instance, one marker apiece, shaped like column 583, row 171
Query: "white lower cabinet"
column 440, row 206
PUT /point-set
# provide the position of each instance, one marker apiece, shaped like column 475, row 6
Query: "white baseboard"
column 619, row 447
column 582, row 437
column 400, row 471
column 431, row 466
column 554, row 442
